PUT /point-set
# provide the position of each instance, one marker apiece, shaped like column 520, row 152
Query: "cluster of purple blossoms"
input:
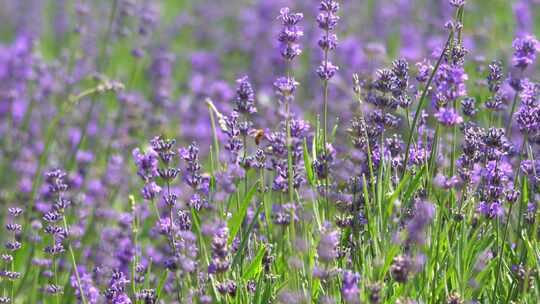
column 424, row 213
column 220, row 250
column 354, row 178
column 457, row 3
column 245, row 97
column 321, row 164
column 13, row 245
column 91, row 292
column 53, row 220
column 116, row 291
column 468, row 106
column 290, row 48
column 284, row 214
column 494, row 80
column 327, row 20
column 525, row 49
column 281, row 179
column 386, row 93
column 449, row 83
column 238, row 130
column 285, row 87
column 193, row 176
column 350, row 291
column 176, row 224
column 232, row 129
column 277, row 145
column 147, row 166
column 400, row 68
column 495, row 76
column 497, row 178
column 169, row 226
column 228, row 287
column 327, row 250
column 290, row 33
column 489, row 148
column 381, row 96
column 147, row 296
column 528, row 114
column 401, row 269
column 448, row 116
column 424, row 70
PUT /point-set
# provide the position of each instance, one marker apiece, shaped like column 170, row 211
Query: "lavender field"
column 269, row 151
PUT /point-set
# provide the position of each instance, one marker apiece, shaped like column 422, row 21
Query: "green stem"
column 501, row 250
column 74, row 264
column 290, row 171
column 134, row 231
column 214, row 131
column 325, row 126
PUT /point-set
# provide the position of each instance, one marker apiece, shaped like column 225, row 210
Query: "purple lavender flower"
column 193, row 168
column 529, row 167
column 229, row 287
column 327, row 70
column 91, row 292
column 468, row 106
column 290, row 34
column 151, row 190
column 282, row 215
column 164, row 148
column 53, row 289
column 245, row 97
column 528, row 119
column 448, row 116
column 529, row 93
column 495, row 76
column 350, row 291
column 115, row 292
column 327, row 248
column 400, row 68
column 457, row 3
column 234, row 141
column 449, row 83
column 220, row 261
column 322, row 164
column 525, row 49
column 148, row 296
column 328, row 42
column 424, row 70
column 327, row 18
column 523, row 13
column 446, row 182
column 424, row 213
column 401, row 268
column 281, row 178
column 147, row 163
column 285, row 86
column 491, row 210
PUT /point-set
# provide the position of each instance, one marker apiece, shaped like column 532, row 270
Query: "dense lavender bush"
column 269, row 151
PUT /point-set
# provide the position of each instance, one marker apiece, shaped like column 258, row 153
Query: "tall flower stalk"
column 56, row 225
column 286, row 86
column 327, row 20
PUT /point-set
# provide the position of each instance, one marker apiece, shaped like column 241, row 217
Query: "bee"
column 258, row 135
